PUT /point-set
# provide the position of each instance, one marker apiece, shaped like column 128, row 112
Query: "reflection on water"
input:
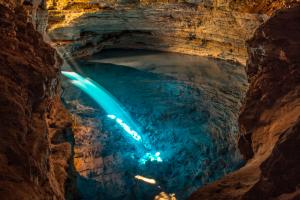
column 185, row 108
column 146, row 180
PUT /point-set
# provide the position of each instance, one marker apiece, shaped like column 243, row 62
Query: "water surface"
column 185, row 107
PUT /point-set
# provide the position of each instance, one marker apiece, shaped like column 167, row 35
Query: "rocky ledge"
column 270, row 118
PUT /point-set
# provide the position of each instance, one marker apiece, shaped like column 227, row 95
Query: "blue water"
column 182, row 107
column 114, row 111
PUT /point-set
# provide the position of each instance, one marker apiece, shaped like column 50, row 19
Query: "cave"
column 141, row 100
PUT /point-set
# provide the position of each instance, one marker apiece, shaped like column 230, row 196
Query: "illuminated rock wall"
column 208, row 28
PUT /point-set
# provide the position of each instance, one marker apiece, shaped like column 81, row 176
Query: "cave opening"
column 149, row 122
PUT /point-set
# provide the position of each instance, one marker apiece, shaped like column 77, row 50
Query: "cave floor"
column 186, row 108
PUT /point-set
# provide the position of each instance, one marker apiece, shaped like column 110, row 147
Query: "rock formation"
column 206, row 28
column 270, row 118
column 34, row 127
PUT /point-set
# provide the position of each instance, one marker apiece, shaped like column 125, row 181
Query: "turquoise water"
column 184, row 107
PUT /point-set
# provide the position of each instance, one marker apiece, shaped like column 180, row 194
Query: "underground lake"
column 149, row 123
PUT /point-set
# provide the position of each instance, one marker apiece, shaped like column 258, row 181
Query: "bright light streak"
column 131, row 132
column 111, row 116
column 102, row 97
column 106, row 101
column 147, row 180
column 150, row 157
column 112, row 107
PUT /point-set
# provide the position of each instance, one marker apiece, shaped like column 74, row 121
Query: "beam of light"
column 147, row 180
column 150, row 157
column 113, row 108
column 104, row 99
column 131, row 132
column 111, row 116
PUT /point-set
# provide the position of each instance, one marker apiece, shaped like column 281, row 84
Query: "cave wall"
column 206, row 28
column 34, row 127
column 217, row 28
column 270, row 117
column 35, row 10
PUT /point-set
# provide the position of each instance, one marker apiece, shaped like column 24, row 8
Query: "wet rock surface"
column 187, row 108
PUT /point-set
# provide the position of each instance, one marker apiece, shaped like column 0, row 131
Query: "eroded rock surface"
column 270, row 118
column 206, row 28
column 217, row 28
column 34, row 127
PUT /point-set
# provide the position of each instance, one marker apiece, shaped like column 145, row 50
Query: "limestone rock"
column 270, row 117
column 34, row 151
column 206, row 29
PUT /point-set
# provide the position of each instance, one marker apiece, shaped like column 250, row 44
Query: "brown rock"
column 32, row 165
column 270, row 119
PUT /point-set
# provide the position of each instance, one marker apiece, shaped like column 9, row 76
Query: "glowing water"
column 101, row 96
column 132, row 133
column 176, row 101
column 112, row 108
column 150, row 157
